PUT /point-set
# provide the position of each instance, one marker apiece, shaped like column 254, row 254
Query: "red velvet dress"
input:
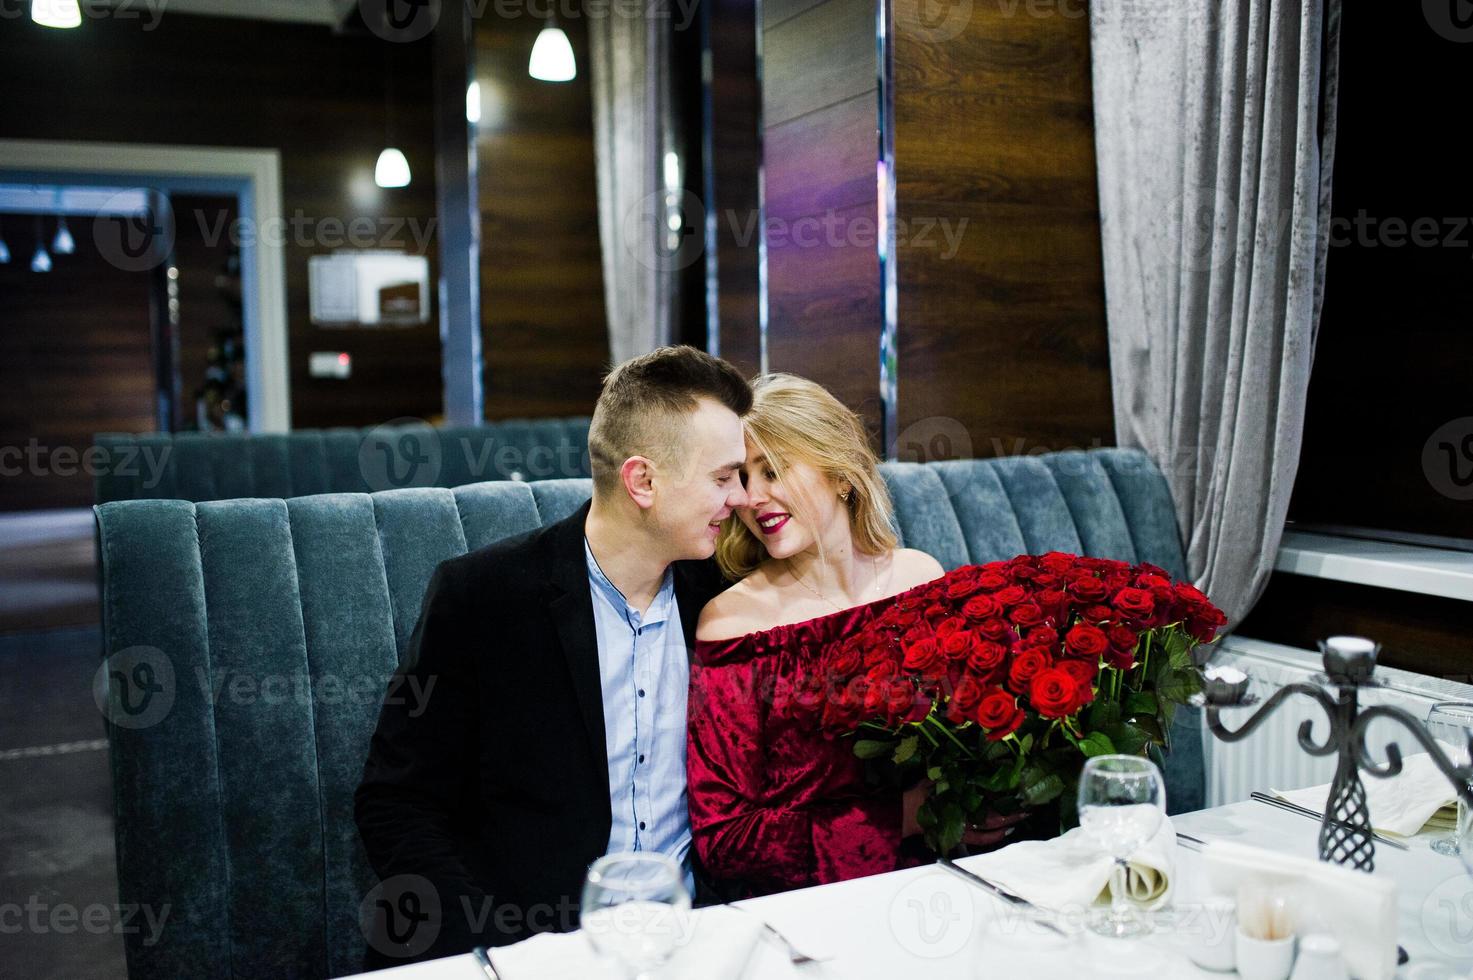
column 774, row 804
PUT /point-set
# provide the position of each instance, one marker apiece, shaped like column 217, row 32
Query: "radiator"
column 1271, row 758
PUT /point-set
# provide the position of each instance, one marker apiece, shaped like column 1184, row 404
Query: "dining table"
column 925, row 922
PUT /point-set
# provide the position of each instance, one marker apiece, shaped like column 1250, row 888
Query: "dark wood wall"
column 317, row 97
column 736, row 160
column 66, row 371
column 820, row 147
column 1001, row 327
column 544, row 331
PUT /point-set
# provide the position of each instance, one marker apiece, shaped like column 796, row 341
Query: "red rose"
column 1054, row 692
column 1086, row 641
column 991, row 581
column 1136, row 605
column 1011, row 596
column 950, row 625
column 1043, row 636
column 1097, row 614
column 1088, row 590
column 1026, row 663
column 998, row 712
column 923, row 656
column 1083, row 671
column 844, row 661
column 958, row 645
column 959, row 588
column 1026, row 614
column 1190, row 597
column 1204, row 624
column 986, row 657
column 882, row 671
column 1123, row 637
column 964, row 700
column 902, row 697
column 1057, row 561
column 906, row 618
column 995, row 630
column 935, row 613
column 1120, row 659
column 1146, row 568
column 981, row 607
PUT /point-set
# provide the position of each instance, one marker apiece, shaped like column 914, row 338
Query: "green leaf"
column 1129, row 738
column 906, row 749
column 1096, row 743
column 1141, row 703
column 1103, row 713
column 1025, row 744
column 1177, row 686
column 933, row 773
column 1150, row 727
column 871, row 748
column 949, row 833
column 1040, row 786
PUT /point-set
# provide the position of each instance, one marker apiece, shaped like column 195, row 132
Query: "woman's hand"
column 994, row 828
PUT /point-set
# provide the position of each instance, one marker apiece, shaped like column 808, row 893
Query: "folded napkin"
column 1401, row 805
column 1357, row 908
column 1071, row 870
column 712, row 944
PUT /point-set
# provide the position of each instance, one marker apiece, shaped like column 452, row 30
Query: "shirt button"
column 641, row 825
column 641, row 692
column 641, row 758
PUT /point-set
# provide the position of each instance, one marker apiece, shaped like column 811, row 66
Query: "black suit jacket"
column 482, row 807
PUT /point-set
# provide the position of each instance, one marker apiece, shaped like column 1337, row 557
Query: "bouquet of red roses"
column 997, row 681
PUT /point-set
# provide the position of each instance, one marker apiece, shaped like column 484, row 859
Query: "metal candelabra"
column 1350, row 663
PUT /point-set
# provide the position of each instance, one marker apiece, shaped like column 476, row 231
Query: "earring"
column 844, row 495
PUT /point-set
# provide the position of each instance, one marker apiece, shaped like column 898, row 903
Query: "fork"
column 795, row 955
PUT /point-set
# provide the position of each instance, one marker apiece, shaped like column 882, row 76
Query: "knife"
column 1017, row 901
column 483, row 959
column 1304, row 811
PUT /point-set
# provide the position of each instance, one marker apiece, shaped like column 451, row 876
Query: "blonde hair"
column 794, row 419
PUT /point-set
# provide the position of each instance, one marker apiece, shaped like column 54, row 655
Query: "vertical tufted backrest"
column 268, row 629
column 225, row 466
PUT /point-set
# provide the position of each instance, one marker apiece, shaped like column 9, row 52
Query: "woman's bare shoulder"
column 914, row 567
column 744, row 608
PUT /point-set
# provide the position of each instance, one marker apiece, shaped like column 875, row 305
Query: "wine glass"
column 1452, row 722
column 635, row 910
column 1122, row 801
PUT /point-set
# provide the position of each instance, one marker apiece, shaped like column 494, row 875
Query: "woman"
column 773, row 803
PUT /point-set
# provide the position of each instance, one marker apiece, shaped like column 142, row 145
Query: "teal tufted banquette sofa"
column 223, row 466
column 249, row 643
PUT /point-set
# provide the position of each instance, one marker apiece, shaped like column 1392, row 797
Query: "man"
column 555, row 732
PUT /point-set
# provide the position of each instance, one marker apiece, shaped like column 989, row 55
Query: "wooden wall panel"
column 1001, row 327
column 316, row 96
column 820, row 115
column 736, row 158
column 544, row 329
column 75, row 358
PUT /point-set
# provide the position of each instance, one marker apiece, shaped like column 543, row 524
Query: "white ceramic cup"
column 1264, row 959
column 1210, row 937
column 1319, row 959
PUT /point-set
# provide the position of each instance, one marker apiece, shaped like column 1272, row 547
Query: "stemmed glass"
column 635, row 910
column 1452, row 722
column 1122, row 801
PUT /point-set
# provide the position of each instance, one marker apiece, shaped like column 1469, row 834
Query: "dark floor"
column 58, row 879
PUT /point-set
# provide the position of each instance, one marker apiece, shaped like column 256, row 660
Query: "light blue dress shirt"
column 644, row 671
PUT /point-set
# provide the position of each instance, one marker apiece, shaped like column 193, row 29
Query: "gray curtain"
column 630, row 79
column 1214, row 128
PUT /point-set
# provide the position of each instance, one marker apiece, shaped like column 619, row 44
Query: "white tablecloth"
column 925, row 922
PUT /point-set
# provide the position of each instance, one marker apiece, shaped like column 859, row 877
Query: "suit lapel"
column 572, row 611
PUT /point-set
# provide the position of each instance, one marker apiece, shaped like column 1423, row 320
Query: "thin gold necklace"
column 874, row 567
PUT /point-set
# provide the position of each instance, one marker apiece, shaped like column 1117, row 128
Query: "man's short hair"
column 645, row 406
